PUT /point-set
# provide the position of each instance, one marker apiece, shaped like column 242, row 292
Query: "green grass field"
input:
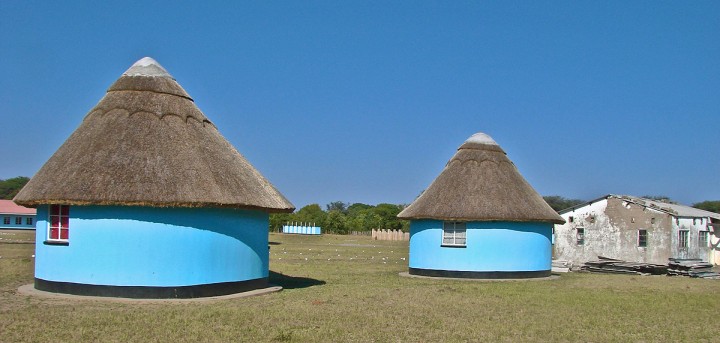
column 347, row 289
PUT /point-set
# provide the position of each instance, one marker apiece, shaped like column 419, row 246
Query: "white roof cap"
column 481, row 138
column 147, row 66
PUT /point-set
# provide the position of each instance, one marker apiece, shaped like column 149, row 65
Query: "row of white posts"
column 301, row 228
column 390, row 235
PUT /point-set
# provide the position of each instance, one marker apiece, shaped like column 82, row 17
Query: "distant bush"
column 559, row 203
column 10, row 187
column 342, row 218
column 709, row 205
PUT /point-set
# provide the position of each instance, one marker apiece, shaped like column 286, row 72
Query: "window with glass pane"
column 642, row 238
column 580, row 236
column 703, row 239
column 683, row 239
column 18, row 220
column 28, row 221
column 454, row 234
column 59, row 222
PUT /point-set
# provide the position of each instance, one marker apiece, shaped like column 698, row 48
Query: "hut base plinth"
column 455, row 274
column 149, row 292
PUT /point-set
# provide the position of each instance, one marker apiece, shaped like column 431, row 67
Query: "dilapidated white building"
column 636, row 229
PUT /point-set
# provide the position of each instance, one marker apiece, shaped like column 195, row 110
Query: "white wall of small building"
column 611, row 228
column 696, row 226
column 565, row 235
column 715, row 244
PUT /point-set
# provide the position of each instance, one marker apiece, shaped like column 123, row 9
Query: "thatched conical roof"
column 480, row 183
column 146, row 143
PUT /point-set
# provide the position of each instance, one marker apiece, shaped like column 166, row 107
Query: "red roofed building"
column 14, row 216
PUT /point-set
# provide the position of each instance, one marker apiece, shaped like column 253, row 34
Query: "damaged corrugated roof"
column 673, row 209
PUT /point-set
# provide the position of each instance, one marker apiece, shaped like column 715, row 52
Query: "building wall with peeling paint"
column 696, row 247
column 610, row 227
column 714, row 227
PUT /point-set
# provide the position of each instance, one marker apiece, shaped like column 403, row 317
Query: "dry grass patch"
column 347, row 288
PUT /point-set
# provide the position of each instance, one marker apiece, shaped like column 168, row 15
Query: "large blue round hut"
column 146, row 199
column 480, row 219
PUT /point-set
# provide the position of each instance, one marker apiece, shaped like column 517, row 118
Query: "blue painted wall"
column 12, row 225
column 491, row 246
column 144, row 246
column 303, row 230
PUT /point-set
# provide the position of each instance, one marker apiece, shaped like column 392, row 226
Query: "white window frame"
column 454, row 234
column 60, row 216
column 703, row 238
column 683, row 239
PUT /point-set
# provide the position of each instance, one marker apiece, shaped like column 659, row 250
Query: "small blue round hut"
column 146, row 199
column 480, row 219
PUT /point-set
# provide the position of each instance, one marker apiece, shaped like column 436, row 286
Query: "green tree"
column 357, row 208
column 559, row 203
column 10, row 187
column 708, row 205
column 277, row 220
column 337, row 206
column 388, row 215
column 364, row 220
column 336, row 222
column 310, row 214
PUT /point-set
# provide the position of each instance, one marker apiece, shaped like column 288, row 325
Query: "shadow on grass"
column 291, row 282
column 274, row 243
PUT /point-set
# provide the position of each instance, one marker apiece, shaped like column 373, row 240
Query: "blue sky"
column 364, row 101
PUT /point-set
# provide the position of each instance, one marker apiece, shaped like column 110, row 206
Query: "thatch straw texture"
column 480, row 183
column 147, row 144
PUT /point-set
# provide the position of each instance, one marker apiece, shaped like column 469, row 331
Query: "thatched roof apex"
column 480, row 183
column 148, row 75
column 147, row 144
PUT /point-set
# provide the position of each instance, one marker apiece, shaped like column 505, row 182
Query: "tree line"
column 341, row 218
column 10, row 187
column 559, row 203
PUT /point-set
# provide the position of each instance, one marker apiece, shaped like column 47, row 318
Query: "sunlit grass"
column 347, row 288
